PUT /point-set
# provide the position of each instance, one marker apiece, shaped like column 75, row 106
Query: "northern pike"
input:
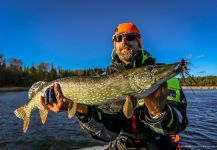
column 137, row 82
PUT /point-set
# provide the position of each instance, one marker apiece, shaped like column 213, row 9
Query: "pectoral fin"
column 72, row 109
column 43, row 114
column 25, row 124
column 129, row 106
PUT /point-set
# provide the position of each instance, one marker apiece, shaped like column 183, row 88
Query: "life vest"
column 144, row 56
column 173, row 90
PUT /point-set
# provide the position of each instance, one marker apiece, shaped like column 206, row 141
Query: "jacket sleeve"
column 101, row 126
column 172, row 121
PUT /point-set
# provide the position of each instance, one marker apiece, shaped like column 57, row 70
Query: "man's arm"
column 172, row 118
column 100, row 125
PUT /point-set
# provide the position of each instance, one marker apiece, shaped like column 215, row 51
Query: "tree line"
column 199, row 81
column 13, row 73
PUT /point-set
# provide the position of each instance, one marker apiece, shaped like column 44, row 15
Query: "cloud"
column 200, row 56
column 188, row 56
column 201, row 72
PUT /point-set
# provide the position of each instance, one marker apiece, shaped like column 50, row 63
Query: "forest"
column 12, row 72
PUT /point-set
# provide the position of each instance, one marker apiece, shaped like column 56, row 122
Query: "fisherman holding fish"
column 154, row 124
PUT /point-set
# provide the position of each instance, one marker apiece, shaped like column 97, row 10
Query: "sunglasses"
column 128, row 37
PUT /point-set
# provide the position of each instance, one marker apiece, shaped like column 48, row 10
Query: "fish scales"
column 95, row 90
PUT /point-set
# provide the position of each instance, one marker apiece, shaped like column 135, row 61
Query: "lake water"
column 59, row 132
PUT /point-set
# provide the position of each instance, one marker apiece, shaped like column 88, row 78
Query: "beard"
column 127, row 53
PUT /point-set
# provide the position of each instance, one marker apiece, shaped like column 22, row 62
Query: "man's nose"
column 124, row 40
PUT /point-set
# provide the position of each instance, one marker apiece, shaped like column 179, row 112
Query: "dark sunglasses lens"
column 118, row 38
column 130, row 37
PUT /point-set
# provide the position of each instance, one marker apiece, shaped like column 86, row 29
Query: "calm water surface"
column 59, row 132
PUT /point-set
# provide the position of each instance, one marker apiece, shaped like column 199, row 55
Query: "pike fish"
column 137, row 82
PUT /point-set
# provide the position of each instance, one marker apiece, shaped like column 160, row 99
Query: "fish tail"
column 43, row 114
column 22, row 114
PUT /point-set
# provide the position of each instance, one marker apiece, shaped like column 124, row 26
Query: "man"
column 152, row 125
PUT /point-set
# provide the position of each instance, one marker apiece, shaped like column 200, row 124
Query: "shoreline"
column 199, row 87
column 13, row 89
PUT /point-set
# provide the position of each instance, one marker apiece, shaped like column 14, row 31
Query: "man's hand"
column 55, row 101
column 156, row 101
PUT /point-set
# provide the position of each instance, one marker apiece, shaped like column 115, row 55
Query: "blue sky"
column 76, row 34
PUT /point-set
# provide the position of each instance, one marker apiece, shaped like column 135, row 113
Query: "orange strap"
column 176, row 139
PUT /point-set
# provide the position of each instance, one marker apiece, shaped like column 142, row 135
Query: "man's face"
column 126, row 46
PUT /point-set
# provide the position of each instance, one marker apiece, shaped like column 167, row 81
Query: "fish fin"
column 25, row 124
column 72, row 109
column 35, row 88
column 43, row 114
column 129, row 106
column 21, row 113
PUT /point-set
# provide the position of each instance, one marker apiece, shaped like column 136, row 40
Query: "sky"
column 77, row 34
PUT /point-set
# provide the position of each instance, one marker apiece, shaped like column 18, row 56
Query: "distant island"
column 199, row 87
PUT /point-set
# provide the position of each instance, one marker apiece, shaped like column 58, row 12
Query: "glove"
column 54, row 100
column 49, row 95
column 157, row 101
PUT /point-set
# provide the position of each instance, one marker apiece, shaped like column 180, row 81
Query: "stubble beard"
column 127, row 56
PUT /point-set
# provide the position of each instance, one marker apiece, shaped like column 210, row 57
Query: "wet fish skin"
column 137, row 82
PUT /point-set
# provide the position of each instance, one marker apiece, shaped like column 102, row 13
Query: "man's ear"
column 113, row 53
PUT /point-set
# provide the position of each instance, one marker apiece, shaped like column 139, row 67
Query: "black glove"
column 49, row 95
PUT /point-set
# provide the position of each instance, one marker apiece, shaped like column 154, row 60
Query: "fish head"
column 162, row 73
column 148, row 76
